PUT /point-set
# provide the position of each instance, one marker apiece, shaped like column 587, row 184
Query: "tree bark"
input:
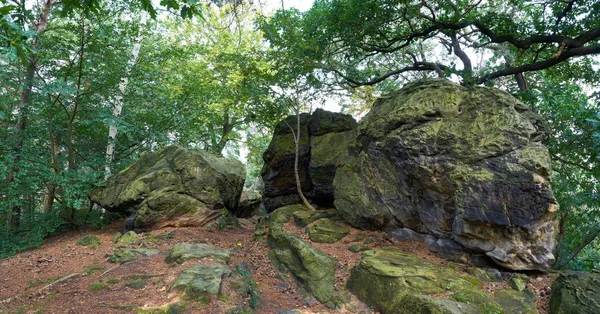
column 113, row 130
column 51, row 187
column 23, row 106
column 590, row 237
column 297, row 156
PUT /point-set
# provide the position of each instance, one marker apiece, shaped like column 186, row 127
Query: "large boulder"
column 458, row 163
column 393, row 282
column 576, row 293
column 324, row 138
column 173, row 186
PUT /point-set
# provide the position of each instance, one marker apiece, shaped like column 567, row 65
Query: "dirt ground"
column 62, row 277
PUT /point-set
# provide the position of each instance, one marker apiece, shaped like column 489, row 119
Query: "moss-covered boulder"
column 89, row 240
column 314, row 270
column 385, row 277
column 323, row 142
column 576, row 293
column 516, row 302
column 458, row 163
column 174, row 186
column 130, row 254
column 327, row 231
column 201, row 280
column 186, row 251
column 304, row 217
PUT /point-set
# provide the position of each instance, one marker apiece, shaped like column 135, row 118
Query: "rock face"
column 324, row 137
column 173, row 186
column 186, row 251
column 455, row 163
column 314, row 270
column 394, row 282
column 576, row 292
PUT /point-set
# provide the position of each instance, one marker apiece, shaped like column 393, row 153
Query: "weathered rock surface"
column 576, row 293
column 130, row 254
column 324, row 137
column 456, row 163
column 327, row 231
column 173, row 186
column 202, row 280
column 185, row 251
column 314, row 270
column 393, row 282
column 517, row 302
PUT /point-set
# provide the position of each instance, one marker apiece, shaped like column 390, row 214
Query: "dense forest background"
column 87, row 86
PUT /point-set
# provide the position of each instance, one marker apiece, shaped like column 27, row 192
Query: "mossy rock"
column 186, row 251
column 516, row 302
column 129, row 254
column 518, row 282
column 576, row 293
column 305, row 217
column 137, row 284
column 384, row 277
column 129, row 238
column 414, row 303
column 89, row 240
column 461, row 164
column 173, row 186
column 202, row 280
column 284, row 214
column 357, row 248
column 477, row 298
column 327, row 231
column 314, row 270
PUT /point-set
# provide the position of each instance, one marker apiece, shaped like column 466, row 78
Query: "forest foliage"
column 218, row 75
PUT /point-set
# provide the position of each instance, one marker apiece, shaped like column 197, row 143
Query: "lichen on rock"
column 466, row 164
column 173, row 187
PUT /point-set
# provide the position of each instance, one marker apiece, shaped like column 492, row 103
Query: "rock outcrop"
column 314, row 270
column 324, row 137
column 173, row 186
column 576, row 292
column 394, row 282
column 466, row 164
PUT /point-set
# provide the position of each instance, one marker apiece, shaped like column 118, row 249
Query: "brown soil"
column 62, row 277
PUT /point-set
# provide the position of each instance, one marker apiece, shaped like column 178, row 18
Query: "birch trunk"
column 112, row 130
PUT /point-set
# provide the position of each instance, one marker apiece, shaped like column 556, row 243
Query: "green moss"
column 113, row 281
column 327, row 231
column 465, row 173
column 89, row 240
column 137, row 284
column 98, row 285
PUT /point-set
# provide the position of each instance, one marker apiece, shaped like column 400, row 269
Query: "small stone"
column 137, row 284
column 89, row 240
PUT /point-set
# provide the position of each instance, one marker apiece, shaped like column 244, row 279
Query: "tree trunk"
column 297, row 141
column 22, row 108
column 112, row 131
column 51, row 187
column 70, row 149
column 595, row 231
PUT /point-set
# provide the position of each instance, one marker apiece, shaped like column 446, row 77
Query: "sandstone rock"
column 185, row 251
column 327, row 231
column 129, row 254
column 173, row 186
column 455, row 163
column 89, row 240
column 393, row 282
column 202, row 280
column 518, row 282
column 576, row 293
column 304, row 217
column 324, row 138
column 516, row 302
column 314, row 270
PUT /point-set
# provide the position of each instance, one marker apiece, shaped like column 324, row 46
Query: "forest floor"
column 62, row 277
